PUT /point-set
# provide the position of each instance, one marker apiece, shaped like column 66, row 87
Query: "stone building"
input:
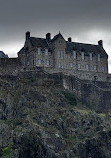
column 61, row 55
column 3, row 55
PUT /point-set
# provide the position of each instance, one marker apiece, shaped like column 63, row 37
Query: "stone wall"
column 9, row 66
column 91, row 95
column 83, row 75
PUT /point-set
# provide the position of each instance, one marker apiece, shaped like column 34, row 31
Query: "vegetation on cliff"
column 40, row 119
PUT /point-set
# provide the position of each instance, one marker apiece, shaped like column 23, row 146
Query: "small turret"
column 27, row 35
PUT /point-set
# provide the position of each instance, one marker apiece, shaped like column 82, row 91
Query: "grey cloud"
column 71, row 17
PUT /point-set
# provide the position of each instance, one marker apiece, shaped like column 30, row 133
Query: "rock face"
column 40, row 119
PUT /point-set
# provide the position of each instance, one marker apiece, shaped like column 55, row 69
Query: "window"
column 95, row 68
column 59, row 65
column 79, row 66
column 39, row 51
column 27, row 63
column 71, row 64
column 74, row 54
column 47, row 62
column 98, row 57
column 82, row 53
column 61, row 54
column 95, row 78
column 39, row 62
column 62, row 66
column 87, row 66
column 46, row 51
column 90, row 56
column 103, row 69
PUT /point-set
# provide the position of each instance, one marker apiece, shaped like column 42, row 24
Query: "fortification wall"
column 9, row 66
column 91, row 95
column 83, row 75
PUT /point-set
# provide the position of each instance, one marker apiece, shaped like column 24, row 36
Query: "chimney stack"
column 100, row 43
column 69, row 39
column 27, row 35
column 48, row 37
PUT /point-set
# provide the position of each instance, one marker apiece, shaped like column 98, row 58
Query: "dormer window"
column 39, row 51
column 74, row 54
column 46, row 52
column 90, row 55
column 99, row 57
column 82, row 55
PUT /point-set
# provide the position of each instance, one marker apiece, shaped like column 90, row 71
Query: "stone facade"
column 3, row 55
column 62, row 55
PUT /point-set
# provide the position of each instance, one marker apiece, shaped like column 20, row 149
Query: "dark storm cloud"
column 15, row 14
column 76, row 18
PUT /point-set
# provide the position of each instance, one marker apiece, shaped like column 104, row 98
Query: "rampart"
column 9, row 66
column 94, row 93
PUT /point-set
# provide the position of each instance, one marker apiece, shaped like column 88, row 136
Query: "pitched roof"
column 56, row 37
column 38, row 42
column 70, row 46
column 87, row 48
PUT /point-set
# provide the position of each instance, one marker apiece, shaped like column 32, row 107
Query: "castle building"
column 59, row 54
column 3, row 55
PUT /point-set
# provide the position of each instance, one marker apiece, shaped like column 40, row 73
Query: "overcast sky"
column 85, row 21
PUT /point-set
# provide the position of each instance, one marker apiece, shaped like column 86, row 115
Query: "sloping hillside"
column 40, row 119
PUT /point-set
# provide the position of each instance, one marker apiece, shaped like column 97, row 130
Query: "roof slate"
column 38, row 42
column 87, row 48
column 70, row 46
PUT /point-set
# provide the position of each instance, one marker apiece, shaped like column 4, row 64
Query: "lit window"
column 95, row 68
column 87, row 67
column 82, row 53
column 74, row 54
column 90, row 56
column 98, row 57
column 47, row 62
column 39, row 62
column 79, row 66
column 71, row 64
column 39, row 51
column 46, row 51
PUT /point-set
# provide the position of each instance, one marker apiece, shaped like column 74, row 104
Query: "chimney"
column 69, row 39
column 100, row 43
column 27, row 35
column 48, row 37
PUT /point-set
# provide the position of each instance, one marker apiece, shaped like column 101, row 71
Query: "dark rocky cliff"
column 40, row 119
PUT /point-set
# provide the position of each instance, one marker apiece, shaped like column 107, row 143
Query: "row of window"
column 39, row 51
column 61, row 55
column 47, row 62
column 83, row 56
column 79, row 66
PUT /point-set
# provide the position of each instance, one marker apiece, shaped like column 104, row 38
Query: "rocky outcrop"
column 40, row 119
